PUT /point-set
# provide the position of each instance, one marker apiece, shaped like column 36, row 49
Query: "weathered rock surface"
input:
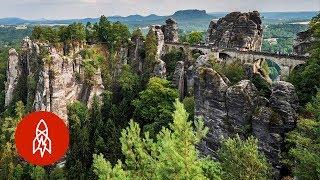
column 237, row 30
column 284, row 101
column 240, row 102
column 160, row 40
column 170, row 31
column 135, row 53
column 160, row 69
column 209, row 92
column 13, row 71
column 303, row 43
column 239, row 109
column 268, row 134
column 179, row 77
column 59, row 78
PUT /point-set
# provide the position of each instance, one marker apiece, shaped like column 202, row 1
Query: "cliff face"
column 13, row 71
column 237, row 30
column 302, row 43
column 238, row 109
column 170, row 31
column 59, row 77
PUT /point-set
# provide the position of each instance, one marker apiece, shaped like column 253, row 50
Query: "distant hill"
column 13, row 21
column 289, row 15
column 193, row 13
column 189, row 20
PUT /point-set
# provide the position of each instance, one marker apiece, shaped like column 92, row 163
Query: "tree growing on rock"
column 151, row 53
column 172, row 155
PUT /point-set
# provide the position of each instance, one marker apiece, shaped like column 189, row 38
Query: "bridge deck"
column 289, row 56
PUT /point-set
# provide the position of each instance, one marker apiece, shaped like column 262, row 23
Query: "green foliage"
column 233, row 71
column 188, row 103
column 72, row 33
column 242, row 160
column 172, row 156
column 154, row 106
column 104, row 170
column 262, row 85
column 195, row 37
column 305, row 141
column 3, row 67
column 151, row 52
column 38, row 173
column 284, row 33
column 113, row 34
column 171, row 60
column 306, row 78
column 79, row 157
column 57, row 174
column 8, row 154
column 305, row 153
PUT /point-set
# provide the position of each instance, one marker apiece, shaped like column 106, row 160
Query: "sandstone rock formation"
column 160, row 69
column 210, row 104
column 239, row 109
column 284, row 101
column 59, row 77
column 178, row 80
column 170, row 31
column 13, row 71
column 135, row 53
column 236, row 30
column 303, row 42
column 240, row 101
column 160, row 40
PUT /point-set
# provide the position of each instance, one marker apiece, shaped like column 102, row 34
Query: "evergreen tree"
column 8, row 155
column 242, row 160
column 154, row 107
column 305, row 140
column 39, row 173
column 172, row 156
column 79, row 156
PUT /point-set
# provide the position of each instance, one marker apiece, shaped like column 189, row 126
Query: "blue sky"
column 62, row 9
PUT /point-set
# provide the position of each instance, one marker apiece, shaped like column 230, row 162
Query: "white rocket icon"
column 41, row 142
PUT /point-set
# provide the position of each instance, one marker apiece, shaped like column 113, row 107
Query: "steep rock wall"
column 236, row 30
column 59, row 77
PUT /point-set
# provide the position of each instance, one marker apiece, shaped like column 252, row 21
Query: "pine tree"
column 241, row 159
column 172, row 155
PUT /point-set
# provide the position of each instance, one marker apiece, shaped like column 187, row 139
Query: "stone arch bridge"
column 286, row 62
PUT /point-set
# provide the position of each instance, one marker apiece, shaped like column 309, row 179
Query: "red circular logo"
column 42, row 138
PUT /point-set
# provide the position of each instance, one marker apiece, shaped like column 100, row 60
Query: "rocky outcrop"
column 59, row 79
column 239, row 109
column 13, row 73
column 240, row 101
column 236, row 30
column 303, row 43
column 284, row 101
column 267, row 130
column 136, row 53
column 170, row 31
column 160, row 69
column 210, row 104
column 178, row 80
column 160, row 40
